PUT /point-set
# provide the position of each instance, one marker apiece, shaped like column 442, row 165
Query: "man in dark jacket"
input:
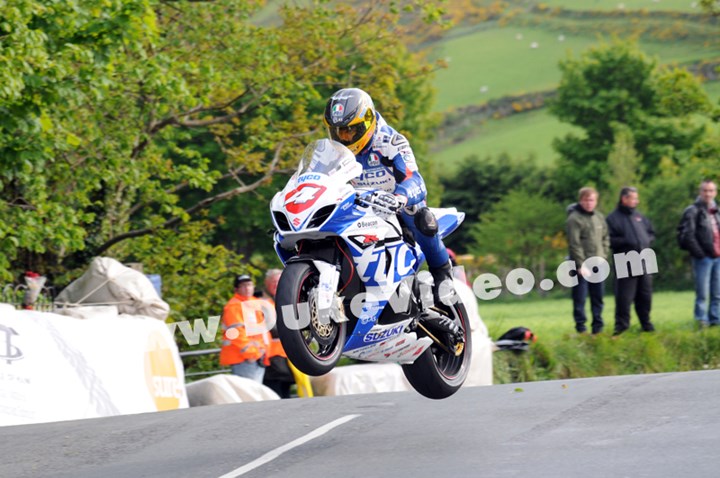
column 587, row 237
column 631, row 231
column 700, row 235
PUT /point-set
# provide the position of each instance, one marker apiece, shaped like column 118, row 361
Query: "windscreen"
column 325, row 156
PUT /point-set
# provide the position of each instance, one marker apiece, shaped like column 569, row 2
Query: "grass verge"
column 560, row 353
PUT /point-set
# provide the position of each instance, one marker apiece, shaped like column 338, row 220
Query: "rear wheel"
column 437, row 373
column 313, row 345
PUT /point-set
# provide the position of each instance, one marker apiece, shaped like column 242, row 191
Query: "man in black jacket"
column 700, row 235
column 631, row 231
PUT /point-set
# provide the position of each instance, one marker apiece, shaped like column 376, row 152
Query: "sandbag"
column 220, row 389
column 108, row 282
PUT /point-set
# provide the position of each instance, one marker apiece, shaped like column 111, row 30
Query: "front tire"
column 312, row 346
column 436, row 373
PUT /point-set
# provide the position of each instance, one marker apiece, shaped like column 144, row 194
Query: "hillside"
column 499, row 49
column 519, row 54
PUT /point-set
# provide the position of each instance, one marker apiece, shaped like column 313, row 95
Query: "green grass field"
column 604, row 5
column 519, row 135
column 552, row 317
column 494, row 63
column 561, row 353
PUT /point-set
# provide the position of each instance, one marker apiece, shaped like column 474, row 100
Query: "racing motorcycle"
column 352, row 284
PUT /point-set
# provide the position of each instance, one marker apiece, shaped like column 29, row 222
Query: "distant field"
column 495, row 63
column 518, row 135
column 268, row 14
column 552, row 317
column 498, row 62
column 681, row 5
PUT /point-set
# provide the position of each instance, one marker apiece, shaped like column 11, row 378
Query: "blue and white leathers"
column 319, row 204
column 389, row 164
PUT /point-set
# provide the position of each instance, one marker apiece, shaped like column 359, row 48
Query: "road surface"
column 663, row 425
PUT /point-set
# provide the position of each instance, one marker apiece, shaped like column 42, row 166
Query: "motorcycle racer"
column 389, row 165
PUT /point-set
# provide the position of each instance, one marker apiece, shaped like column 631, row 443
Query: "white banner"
column 54, row 367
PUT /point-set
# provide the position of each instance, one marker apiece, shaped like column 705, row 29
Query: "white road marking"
column 271, row 455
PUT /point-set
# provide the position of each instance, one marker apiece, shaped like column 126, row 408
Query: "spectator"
column 700, row 235
column 587, row 237
column 242, row 352
column 278, row 375
column 631, row 231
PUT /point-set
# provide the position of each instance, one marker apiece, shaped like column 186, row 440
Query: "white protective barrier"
column 370, row 378
column 54, row 367
column 224, row 388
column 362, row 378
column 481, row 365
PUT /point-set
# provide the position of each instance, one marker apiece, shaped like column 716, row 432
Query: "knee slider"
column 425, row 222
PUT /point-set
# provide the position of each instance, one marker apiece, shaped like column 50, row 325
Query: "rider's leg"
column 423, row 225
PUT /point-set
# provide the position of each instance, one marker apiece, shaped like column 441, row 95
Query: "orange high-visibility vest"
column 237, row 346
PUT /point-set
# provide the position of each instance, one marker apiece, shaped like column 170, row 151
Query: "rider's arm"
column 408, row 181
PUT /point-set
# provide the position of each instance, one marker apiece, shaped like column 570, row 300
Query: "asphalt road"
column 664, row 425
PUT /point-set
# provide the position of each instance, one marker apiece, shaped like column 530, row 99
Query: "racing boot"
column 444, row 329
column 443, row 286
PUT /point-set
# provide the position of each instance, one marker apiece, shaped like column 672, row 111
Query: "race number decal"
column 303, row 197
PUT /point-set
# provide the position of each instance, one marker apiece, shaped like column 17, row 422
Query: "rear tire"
column 314, row 347
column 436, row 373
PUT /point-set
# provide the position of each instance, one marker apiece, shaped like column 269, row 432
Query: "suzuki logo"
column 11, row 352
column 370, row 239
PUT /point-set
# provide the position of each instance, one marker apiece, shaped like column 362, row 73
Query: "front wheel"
column 313, row 345
column 437, row 373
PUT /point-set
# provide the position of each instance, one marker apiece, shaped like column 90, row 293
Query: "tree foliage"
column 623, row 165
column 522, row 230
column 710, row 6
column 478, row 184
column 120, row 119
column 616, row 84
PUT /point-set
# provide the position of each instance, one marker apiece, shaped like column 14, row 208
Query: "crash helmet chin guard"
column 350, row 118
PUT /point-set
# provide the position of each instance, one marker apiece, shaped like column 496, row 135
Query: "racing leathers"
column 389, row 165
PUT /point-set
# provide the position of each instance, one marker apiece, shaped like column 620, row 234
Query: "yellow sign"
column 161, row 374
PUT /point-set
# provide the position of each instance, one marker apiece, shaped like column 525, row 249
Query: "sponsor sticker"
column 365, row 224
column 384, row 334
column 304, row 196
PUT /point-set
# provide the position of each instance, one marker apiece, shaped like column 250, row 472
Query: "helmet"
column 350, row 118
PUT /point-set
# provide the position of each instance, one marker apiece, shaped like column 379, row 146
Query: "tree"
column 54, row 59
column 477, row 184
column 123, row 119
column 617, row 84
column 710, row 6
column 522, row 230
column 623, row 165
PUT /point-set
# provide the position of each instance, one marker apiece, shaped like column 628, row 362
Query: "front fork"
column 327, row 297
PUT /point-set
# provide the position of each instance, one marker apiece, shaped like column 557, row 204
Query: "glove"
column 389, row 203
